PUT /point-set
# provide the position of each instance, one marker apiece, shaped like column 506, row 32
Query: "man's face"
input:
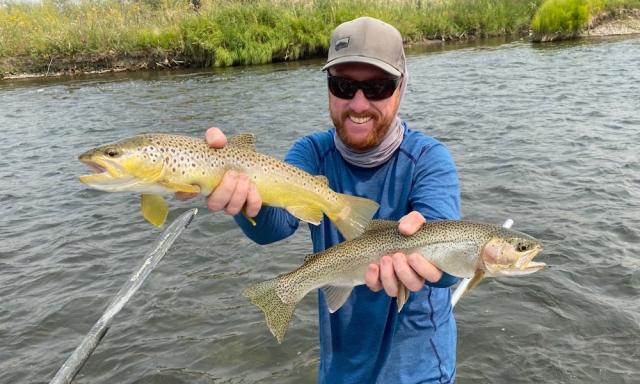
column 362, row 123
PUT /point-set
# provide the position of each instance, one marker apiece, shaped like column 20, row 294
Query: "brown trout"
column 160, row 164
column 460, row 248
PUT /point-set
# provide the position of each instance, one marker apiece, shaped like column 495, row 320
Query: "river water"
column 547, row 135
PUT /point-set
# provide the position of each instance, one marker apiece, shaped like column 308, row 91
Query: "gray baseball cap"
column 367, row 40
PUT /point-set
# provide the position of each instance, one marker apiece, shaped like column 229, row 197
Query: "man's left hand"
column 412, row 270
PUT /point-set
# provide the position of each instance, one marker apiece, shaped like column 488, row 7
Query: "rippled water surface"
column 546, row 135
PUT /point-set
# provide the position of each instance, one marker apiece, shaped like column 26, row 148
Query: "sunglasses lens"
column 378, row 89
column 341, row 87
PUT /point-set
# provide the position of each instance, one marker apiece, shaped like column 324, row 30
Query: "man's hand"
column 235, row 191
column 412, row 270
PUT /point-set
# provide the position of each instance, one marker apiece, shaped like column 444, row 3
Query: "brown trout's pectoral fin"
column 307, row 213
column 243, row 140
column 336, row 296
column 154, row 209
column 180, row 187
column 403, row 295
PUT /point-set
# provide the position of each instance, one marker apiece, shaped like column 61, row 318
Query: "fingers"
column 239, row 195
column 410, row 223
column 412, row 270
column 412, row 280
column 215, row 138
column 388, row 276
column 372, row 278
column 254, row 201
column 235, row 192
column 231, row 194
column 423, row 268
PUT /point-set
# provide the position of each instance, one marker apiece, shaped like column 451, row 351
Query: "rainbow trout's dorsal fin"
column 243, row 140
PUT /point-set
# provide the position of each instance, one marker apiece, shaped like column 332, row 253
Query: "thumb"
column 215, row 138
column 410, row 223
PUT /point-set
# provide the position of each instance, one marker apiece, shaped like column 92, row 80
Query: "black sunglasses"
column 376, row 89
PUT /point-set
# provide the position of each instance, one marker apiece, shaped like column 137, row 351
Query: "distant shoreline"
column 620, row 22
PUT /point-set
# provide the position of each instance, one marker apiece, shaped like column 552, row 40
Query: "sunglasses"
column 377, row 89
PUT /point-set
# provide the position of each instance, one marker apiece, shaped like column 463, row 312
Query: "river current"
column 547, row 135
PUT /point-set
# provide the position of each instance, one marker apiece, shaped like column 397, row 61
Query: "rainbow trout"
column 460, row 248
column 160, row 164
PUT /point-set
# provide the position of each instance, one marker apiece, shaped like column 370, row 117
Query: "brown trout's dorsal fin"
column 322, row 179
column 179, row 187
column 154, row 209
column 243, row 140
column 403, row 295
column 336, row 296
column 378, row 225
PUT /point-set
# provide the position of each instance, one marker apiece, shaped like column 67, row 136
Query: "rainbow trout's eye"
column 523, row 247
column 112, row 152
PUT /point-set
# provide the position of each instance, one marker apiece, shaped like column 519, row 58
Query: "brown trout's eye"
column 112, row 152
column 522, row 247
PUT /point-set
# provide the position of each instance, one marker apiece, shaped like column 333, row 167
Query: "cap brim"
column 362, row 59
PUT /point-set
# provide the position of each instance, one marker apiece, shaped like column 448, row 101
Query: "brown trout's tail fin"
column 277, row 314
column 354, row 217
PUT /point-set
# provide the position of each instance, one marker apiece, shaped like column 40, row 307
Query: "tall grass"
column 60, row 27
column 235, row 32
column 557, row 19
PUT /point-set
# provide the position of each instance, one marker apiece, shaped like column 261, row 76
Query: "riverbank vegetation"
column 83, row 35
column 565, row 19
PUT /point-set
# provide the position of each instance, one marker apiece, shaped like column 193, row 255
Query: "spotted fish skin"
column 460, row 248
column 160, row 164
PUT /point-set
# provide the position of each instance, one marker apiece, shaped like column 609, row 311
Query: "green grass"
column 558, row 19
column 229, row 32
column 244, row 32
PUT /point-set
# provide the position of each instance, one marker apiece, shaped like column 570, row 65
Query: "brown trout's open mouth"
column 95, row 167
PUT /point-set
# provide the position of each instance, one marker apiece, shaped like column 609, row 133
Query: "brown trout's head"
column 133, row 164
column 510, row 253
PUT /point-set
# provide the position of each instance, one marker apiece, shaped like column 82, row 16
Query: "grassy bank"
column 58, row 34
column 566, row 19
column 84, row 35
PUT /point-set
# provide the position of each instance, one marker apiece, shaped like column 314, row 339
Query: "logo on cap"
column 342, row 43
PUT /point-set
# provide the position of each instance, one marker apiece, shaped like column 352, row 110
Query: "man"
column 370, row 153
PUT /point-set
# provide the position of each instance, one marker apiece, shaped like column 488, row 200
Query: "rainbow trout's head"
column 510, row 253
column 132, row 164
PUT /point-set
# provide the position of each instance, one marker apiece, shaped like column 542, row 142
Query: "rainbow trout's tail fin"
column 354, row 217
column 277, row 313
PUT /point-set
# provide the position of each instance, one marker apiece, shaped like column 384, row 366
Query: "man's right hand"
column 235, row 192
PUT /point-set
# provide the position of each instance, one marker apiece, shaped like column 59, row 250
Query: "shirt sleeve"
column 436, row 193
column 273, row 224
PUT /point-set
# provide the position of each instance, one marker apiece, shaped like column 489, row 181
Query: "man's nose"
column 359, row 102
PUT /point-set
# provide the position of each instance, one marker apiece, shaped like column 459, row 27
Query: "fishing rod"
column 74, row 363
column 462, row 287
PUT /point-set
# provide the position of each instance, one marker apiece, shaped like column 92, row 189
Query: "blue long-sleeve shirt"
column 367, row 340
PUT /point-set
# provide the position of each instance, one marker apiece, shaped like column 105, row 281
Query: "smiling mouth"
column 359, row 120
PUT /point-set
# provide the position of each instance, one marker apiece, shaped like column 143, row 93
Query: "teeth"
column 359, row 120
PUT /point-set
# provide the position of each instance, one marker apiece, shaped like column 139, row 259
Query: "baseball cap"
column 367, row 40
